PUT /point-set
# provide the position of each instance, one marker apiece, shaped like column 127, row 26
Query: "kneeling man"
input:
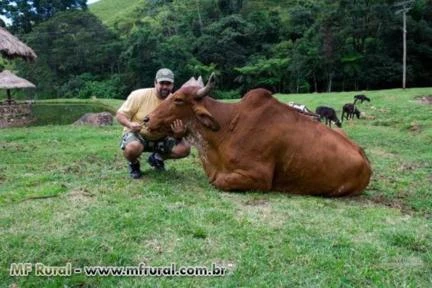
column 136, row 139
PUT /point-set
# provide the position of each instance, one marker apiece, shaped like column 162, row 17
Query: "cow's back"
column 323, row 162
column 308, row 157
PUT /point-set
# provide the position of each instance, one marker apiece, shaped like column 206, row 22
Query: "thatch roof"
column 8, row 80
column 12, row 47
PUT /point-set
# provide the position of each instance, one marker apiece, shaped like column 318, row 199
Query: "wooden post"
column 9, row 98
column 404, row 7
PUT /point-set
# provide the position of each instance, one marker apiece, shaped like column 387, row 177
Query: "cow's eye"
column 178, row 101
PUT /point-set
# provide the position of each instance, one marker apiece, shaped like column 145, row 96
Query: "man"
column 136, row 138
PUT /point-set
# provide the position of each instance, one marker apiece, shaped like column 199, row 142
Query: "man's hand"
column 124, row 120
column 178, row 128
column 135, row 127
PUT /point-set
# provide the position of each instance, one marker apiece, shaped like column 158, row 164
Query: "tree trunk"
column 315, row 82
column 199, row 17
column 330, row 80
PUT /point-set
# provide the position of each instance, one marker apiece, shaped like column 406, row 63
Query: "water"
column 63, row 114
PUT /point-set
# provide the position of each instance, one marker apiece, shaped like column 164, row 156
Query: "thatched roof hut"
column 12, row 47
column 8, row 80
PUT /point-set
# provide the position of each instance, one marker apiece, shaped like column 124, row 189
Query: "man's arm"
column 124, row 120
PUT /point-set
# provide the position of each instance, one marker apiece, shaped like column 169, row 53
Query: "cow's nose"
column 146, row 119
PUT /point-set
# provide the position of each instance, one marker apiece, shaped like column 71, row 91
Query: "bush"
column 72, row 88
column 230, row 94
column 86, row 85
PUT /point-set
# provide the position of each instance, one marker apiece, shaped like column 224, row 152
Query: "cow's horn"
column 200, row 81
column 209, row 86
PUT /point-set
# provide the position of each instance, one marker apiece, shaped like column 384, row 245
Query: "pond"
column 62, row 113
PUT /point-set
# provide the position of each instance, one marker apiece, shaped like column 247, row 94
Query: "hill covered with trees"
column 291, row 46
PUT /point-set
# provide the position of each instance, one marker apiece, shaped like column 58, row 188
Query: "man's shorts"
column 163, row 146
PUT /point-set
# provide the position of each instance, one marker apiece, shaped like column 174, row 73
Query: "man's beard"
column 164, row 93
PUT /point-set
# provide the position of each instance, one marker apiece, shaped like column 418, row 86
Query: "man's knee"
column 181, row 150
column 133, row 148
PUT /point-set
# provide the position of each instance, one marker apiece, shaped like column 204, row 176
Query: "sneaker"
column 156, row 161
column 134, row 170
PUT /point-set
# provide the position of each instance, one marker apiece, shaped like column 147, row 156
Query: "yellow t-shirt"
column 138, row 105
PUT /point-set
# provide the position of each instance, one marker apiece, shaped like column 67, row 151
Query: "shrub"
column 86, row 86
column 230, row 94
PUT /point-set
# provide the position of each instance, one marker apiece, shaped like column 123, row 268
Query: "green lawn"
column 65, row 197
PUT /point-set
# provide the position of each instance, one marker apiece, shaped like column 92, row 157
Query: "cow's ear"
column 204, row 116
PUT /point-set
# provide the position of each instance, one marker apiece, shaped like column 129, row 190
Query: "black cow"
column 361, row 98
column 349, row 110
column 329, row 114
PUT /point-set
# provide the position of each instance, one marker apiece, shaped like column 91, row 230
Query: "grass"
column 112, row 11
column 65, row 197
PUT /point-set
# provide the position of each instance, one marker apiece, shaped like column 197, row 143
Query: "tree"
column 26, row 14
column 228, row 7
column 227, row 44
column 69, row 44
column 140, row 57
column 264, row 72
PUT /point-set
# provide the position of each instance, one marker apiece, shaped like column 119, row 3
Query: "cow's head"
column 185, row 104
column 357, row 113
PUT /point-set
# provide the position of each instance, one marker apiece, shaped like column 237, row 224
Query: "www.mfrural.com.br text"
column 141, row 270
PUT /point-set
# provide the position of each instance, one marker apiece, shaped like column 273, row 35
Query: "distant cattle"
column 329, row 115
column 262, row 144
column 303, row 109
column 349, row 110
column 361, row 98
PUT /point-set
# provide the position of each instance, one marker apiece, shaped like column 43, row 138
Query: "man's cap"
column 165, row 74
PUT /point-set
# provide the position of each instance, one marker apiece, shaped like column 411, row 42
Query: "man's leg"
column 181, row 150
column 169, row 148
column 132, row 149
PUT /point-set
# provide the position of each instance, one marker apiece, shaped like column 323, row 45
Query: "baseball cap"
column 165, row 74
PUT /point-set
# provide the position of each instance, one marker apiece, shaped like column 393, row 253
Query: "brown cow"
column 262, row 144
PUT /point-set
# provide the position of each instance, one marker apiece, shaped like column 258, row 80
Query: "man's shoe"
column 134, row 170
column 156, row 161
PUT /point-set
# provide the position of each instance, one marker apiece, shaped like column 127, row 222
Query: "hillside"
column 113, row 11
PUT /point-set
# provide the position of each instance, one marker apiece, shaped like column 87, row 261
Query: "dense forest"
column 292, row 46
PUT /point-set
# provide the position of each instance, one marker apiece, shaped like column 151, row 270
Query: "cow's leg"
column 241, row 180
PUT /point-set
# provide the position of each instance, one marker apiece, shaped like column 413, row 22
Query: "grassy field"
column 65, row 197
column 113, row 11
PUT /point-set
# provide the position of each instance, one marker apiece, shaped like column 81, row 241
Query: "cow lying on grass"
column 262, row 144
column 329, row 114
